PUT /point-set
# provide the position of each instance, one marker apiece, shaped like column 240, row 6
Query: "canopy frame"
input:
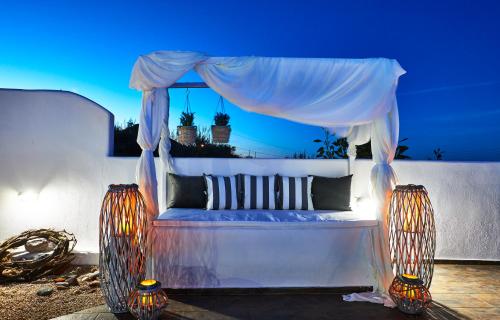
column 188, row 85
column 354, row 97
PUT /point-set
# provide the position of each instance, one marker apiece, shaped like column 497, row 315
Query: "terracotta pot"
column 220, row 134
column 186, row 134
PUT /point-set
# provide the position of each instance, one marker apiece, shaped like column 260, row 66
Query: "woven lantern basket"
column 409, row 294
column 412, row 232
column 221, row 134
column 186, row 135
column 147, row 300
column 122, row 244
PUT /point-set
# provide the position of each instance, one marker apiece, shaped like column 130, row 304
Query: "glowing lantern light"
column 147, row 300
column 412, row 232
column 410, row 294
column 122, row 244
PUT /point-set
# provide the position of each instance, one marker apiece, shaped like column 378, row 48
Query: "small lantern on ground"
column 410, row 294
column 147, row 300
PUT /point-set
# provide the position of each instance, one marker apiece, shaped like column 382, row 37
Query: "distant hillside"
column 125, row 145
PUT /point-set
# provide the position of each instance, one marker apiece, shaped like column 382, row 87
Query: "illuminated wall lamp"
column 28, row 196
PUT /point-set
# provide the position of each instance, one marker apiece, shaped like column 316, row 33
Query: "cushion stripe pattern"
column 221, row 193
column 295, row 193
column 258, row 192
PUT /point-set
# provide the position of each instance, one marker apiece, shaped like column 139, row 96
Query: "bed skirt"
column 254, row 254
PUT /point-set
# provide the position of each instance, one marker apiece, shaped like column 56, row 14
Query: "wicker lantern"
column 122, row 244
column 410, row 294
column 147, row 300
column 412, row 233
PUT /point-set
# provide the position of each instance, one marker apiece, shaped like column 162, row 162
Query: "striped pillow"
column 221, row 192
column 295, row 193
column 258, row 192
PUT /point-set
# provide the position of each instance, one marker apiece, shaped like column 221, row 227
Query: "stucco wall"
column 54, row 169
column 55, row 147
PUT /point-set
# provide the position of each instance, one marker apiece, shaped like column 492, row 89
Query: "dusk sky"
column 449, row 98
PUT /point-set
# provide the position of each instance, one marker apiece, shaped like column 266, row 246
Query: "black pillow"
column 186, row 192
column 331, row 193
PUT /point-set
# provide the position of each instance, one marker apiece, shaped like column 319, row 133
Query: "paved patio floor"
column 459, row 292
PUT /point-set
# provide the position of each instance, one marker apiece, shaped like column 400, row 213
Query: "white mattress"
column 196, row 248
column 179, row 217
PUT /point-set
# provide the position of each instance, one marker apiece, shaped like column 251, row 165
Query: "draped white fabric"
column 150, row 124
column 152, row 73
column 385, row 133
column 358, row 135
column 321, row 92
column 356, row 94
column 161, row 69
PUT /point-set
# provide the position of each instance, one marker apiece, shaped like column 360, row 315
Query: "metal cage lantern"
column 122, row 244
column 412, row 232
column 409, row 294
column 147, row 300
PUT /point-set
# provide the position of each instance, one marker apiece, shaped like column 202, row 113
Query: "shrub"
column 221, row 119
column 187, row 119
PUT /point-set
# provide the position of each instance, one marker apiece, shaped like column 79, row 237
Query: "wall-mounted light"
column 28, row 196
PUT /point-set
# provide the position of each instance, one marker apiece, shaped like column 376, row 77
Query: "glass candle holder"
column 147, row 300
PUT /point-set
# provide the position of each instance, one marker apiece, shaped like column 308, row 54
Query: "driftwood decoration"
column 46, row 263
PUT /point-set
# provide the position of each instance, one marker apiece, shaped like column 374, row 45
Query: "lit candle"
column 408, row 289
column 412, row 215
column 147, row 301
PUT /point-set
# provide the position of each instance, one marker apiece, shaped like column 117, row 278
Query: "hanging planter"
column 221, row 131
column 186, row 132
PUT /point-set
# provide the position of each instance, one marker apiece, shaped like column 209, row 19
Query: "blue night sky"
column 450, row 97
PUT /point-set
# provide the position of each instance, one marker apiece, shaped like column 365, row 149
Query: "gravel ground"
column 19, row 301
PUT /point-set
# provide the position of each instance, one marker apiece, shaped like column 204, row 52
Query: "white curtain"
column 167, row 163
column 357, row 94
column 150, row 125
column 161, row 69
column 321, row 92
column 385, row 133
column 358, row 135
column 151, row 74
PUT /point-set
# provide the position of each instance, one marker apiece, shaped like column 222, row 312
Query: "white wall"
column 54, row 145
column 57, row 145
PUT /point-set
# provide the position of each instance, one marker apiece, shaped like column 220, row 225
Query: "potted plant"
column 186, row 132
column 221, row 130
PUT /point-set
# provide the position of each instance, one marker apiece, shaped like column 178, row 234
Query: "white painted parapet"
column 56, row 164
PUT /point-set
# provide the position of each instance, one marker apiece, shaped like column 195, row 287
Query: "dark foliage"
column 187, row 118
column 438, row 154
column 221, row 119
column 300, row 155
column 337, row 148
column 126, row 145
column 364, row 151
column 331, row 148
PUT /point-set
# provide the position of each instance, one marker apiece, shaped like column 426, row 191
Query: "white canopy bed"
column 354, row 97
